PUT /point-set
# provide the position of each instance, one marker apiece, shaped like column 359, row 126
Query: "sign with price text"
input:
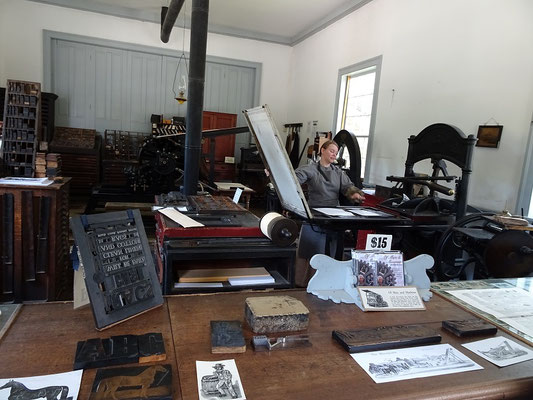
column 378, row 242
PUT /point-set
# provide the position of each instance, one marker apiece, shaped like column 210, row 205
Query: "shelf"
column 280, row 283
column 21, row 122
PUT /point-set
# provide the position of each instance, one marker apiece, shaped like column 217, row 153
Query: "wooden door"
column 224, row 145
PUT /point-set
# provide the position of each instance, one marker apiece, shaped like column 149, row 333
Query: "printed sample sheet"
column 219, row 380
column 513, row 306
column 414, row 362
column 500, row 350
column 56, row 386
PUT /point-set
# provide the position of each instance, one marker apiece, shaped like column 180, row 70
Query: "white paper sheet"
column 260, row 280
column 180, row 218
column 219, row 380
column 64, row 385
column 15, row 180
column 365, row 213
column 237, row 195
column 502, row 302
column 184, row 285
column 334, row 212
column 500, row 350
column 414, row 362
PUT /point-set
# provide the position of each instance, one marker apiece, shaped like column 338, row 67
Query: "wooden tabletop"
column 325, row 370
column 43, row 339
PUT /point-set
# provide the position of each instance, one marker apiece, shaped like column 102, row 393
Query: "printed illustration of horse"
column 109, row 386
column 21, row 392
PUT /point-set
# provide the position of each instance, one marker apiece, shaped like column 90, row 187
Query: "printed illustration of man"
column 224, row 381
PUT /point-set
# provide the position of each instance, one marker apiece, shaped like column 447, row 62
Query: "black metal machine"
column 484, row 245
column 349, row 156
column 160, row 166
column 437, row 143
column 465, row 243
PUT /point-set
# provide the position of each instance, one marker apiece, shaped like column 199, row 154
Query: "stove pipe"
column 195, row 100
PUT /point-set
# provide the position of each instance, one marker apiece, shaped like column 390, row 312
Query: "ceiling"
column 279, row 21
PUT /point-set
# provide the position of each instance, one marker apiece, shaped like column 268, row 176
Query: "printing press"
column 290, row 192
column 231, row 237
column 465, row 243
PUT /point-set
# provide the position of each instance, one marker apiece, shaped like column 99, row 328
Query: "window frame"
column 342, row 78
column 525, row 193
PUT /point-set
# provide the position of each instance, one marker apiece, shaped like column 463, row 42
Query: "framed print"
column 489, row 135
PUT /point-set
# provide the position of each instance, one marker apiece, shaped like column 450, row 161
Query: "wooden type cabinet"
column 21, row 128
column 34, row 249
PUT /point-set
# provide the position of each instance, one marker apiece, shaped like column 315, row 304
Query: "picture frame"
column 489, row 136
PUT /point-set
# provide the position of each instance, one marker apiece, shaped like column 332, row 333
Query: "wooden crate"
column 82, row 165
column 74, row 137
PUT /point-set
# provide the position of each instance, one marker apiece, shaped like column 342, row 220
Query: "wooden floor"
column 43, row 339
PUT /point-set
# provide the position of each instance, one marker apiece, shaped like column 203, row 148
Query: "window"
column 356, row 106
column 525, row 194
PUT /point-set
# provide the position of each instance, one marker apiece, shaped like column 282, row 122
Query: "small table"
column 228, row 189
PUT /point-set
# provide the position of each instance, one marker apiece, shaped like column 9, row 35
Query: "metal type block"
column 120, row 274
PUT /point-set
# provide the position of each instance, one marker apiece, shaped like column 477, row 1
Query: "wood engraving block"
column 151, row 347
column 116, row 350
column 147, row 382
column 469, row 327
column 276, row 314
column 386, row 337
column 227, row 337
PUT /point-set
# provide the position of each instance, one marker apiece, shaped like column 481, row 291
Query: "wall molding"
column 155, row 17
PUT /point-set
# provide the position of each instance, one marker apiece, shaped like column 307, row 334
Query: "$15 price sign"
column 378, row 242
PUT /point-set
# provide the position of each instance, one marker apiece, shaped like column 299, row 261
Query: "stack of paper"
column 261, row 280
column 222, row 274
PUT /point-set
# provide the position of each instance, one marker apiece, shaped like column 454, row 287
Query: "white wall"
column 458, row 62
column 21, row 44
column 461, row 62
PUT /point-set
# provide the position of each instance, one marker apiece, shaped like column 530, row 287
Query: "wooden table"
column 43, row 340
column 326, row 370
column 229, row 188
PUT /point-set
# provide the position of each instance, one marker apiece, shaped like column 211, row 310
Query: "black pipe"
column 195, row 101
column 169, row 17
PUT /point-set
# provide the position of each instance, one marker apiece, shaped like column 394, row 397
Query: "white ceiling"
column 279, row 21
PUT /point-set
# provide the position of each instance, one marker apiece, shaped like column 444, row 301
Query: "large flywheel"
column 349, row 157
